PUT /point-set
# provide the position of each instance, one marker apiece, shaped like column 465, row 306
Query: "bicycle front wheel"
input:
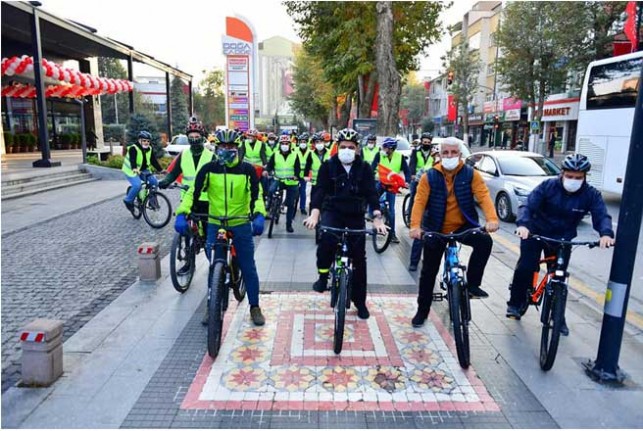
column 274, row 215
column 157, row 210
column 381, row 242
column 340, row 311
column 459, row 312
column 552, row 316
column 182, row 259
column 216, row 308
column 136, row 211
column 238, row 285
column 406, row 210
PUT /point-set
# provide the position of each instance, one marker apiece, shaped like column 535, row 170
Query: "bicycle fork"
column 558, row 290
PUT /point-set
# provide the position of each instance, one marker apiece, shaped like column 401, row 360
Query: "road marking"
column 632, row 317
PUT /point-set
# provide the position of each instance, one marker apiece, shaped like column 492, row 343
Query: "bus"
column 605, row 118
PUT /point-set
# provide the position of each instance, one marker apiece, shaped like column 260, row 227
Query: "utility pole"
column 605, row 369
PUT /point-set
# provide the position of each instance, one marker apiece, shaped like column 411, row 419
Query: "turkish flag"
column 391, row 181
column 452, row 111
column 630, row 28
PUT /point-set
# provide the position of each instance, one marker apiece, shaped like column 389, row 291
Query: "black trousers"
column 433, row 252
column 356, row 250
column 530, row 251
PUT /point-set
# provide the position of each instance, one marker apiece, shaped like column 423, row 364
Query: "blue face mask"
column 227, row 157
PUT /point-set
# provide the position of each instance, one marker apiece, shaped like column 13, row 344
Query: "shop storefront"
column 476, row 125
column 560, row 118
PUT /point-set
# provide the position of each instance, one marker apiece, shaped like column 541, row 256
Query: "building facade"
column 276, row 59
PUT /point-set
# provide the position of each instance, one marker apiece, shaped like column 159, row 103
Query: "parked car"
column 177, row 145
column 511, row 176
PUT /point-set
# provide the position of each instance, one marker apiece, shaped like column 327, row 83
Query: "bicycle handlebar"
column 198, row 216
column 283, row 178
column 347, row 231
column 178, row 186
column 454, row 236
column 590, row 244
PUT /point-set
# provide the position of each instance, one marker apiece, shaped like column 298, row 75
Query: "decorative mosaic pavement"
column 289, row 364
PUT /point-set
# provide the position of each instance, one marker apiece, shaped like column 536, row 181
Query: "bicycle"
column 406, row 207
column 224, row 274
column 153, row 205
column 551, row 292
column 275, row 203
column 342, row 270
column 382, row 241
column 454, row 282
column 184, row 249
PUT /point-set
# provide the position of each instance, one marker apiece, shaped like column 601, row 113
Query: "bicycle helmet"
column 193, row 126
column 371, row 138
column 576, row 163
column 284, row 139
column 303, row 137
column 347, row 135
column 227, row 136
column 326, row 137
column 315, row 138
column 390, row 143
column 144, row 134
column 252, row 133
column 272, row 136
column 426, row 135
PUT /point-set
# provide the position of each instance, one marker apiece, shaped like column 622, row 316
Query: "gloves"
column 257, row 224
column 181, row 224
column 163, row 184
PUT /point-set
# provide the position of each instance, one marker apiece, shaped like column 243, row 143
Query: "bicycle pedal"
column 439, row 296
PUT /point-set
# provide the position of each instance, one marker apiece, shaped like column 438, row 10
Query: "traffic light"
column 449, row 78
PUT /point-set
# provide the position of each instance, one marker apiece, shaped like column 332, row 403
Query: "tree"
column 388, row 104
column 465, row 66
column 114, row 107
column 413, row 99
column 179, row 103
column 312, row 95
column 138, row 122
column 209, row 100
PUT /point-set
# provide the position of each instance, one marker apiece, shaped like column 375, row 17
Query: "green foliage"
column 114, row 161
column 209, row 100
column 428, row 125
column 116, row 132
column 413, row 99
column 112, row 68
column 179, row 103
column 312, row 96
column 139, row 122
column 8, row 138
column 93, row 160
column 465, row 65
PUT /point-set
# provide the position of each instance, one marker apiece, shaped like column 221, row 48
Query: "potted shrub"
column 8, row 142
column 20, row 143
column 31, row 142
column 65, row 140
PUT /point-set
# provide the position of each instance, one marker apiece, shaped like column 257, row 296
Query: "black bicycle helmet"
column 426, row 135
column 144, row 134
column 576, row 163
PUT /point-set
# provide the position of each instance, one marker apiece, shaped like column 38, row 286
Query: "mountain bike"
column 342, row 271
column 153, row 205
column 454, row 283
column 224, row 274
column 382, row 241
column 275, row 204
column 551, row 292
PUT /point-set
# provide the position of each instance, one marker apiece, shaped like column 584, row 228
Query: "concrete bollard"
column 42, row 352
column 149, row 263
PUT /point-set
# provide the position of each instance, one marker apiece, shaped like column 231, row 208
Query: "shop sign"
column 512, row 115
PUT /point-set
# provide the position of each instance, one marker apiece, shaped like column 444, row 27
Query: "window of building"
column 474, row 41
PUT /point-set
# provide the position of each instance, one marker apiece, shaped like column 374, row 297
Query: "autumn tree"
column 312, row 95
column 209, row 100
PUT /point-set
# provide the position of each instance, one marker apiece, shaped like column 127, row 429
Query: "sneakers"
column 395, row 239
column 413, row 267
column 513, row 312
column 289, row 228
column 476, row 292
column 362, row 311
column 321, row 285
column 420, row 317
column 129, row 206
column 257, row 316
column 564, row 330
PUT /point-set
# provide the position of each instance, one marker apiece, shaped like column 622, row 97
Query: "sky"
column 187, row 33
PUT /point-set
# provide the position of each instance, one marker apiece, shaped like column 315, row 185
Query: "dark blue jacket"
column 552, row 211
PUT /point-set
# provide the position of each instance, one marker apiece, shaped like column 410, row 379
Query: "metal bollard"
column 149, row 263
column 42, row 352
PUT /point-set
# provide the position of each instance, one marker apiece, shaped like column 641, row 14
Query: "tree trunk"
column 364, row 109
column 345, row 111
column 332, row 114
column 388, row 105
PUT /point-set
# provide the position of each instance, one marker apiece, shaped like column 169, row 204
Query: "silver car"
column 511, row 176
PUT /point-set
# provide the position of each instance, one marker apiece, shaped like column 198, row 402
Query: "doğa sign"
column 236, row 48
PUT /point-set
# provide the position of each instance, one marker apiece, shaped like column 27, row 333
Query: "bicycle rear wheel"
column 216, row 308
column 182, row 259
column 406, row 210
column 459, row 312
column 552, row 316
column 381, row 242
column 136, row 211
column 157, row 210
column 340, row 311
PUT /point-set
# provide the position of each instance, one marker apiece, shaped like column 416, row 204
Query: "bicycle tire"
column 406, row 210
column 215, row 308
column 274, row 211
column 163, row 202
column 136, row 212
column 378, row 245
column 458, row 313
column 340, row 312
column 238, row 284
column 182, row 252
column 552, row 320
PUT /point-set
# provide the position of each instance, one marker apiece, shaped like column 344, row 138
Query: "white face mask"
column 285, row 148
column 572, row 186
column 320, row 147
column 371, row 146
column 450, row 163
column 346, row 155
column 303, row 146
column 145, row 146
column 271, row 142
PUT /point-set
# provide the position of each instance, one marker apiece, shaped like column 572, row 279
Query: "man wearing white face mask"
column 285, row 164
column 554, row 209
column 344, row 187
column 303, row 152
column 445, row 203
column 137, row 164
